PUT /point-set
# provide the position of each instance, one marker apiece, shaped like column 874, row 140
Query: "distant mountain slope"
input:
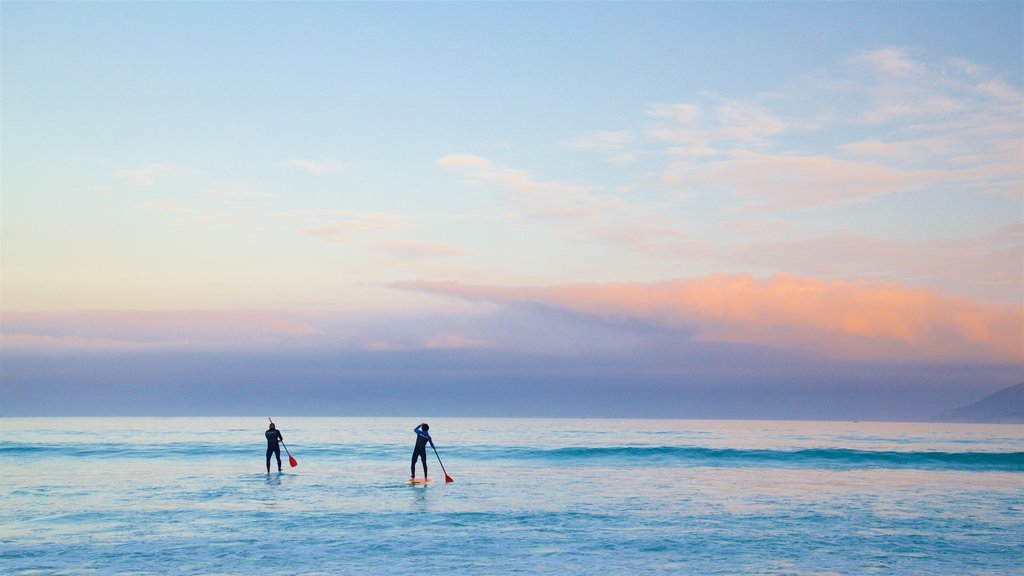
column 1005, row 407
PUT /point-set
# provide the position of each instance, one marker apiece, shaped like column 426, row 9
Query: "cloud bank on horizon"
column 844, row 320
column 863, row 202
column 866, row 321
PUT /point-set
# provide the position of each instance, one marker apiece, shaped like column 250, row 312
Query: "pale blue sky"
column 434, row 176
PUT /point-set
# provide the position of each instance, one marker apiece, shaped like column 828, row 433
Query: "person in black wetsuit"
column 421, row 448
column 273, row 437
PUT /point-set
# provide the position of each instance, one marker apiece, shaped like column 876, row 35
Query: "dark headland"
column 1003, row 407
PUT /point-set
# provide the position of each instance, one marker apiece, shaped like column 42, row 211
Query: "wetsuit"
column 273, row 437
column 420, row 451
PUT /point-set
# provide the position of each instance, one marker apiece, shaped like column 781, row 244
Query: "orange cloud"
column 859, row 320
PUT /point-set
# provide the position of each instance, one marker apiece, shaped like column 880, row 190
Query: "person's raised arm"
column 421, row 432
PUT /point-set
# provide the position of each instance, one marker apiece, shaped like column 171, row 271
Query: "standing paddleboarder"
column 421, row 449
column 273, row 447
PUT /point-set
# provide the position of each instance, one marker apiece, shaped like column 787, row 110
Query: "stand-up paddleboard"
column 420, row 481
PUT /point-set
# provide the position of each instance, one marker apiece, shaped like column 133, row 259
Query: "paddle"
column 447, row 478
column 291, row 459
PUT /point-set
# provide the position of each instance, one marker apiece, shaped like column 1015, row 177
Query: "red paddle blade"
column 292, row 461
column 447, row 478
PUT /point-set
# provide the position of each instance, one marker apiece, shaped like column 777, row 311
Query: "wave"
column 830, row 457
column 807, row 457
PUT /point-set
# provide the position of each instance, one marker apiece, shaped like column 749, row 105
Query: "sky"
column 664, row 209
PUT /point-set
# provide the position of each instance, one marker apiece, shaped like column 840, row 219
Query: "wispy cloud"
column 148, row 174
column 892, row 62
column 747, row 123
column 602, row 140
column 651, row 237
column 894, row 124
column 317, row 167
column 549, row 199
column 419, row 249
column 914, row 123
column 909, row 152
column 692, row 130
column 236, row 190
column 682, row 114
column 844, row 319
column 782, row 182
column 353, row 225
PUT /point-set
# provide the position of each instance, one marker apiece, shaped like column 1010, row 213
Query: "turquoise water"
column 189, row 496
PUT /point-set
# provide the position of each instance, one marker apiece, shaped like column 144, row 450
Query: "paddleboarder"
column 422, row 437
column 273, row 447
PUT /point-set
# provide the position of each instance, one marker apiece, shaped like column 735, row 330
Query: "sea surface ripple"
column 533, row 496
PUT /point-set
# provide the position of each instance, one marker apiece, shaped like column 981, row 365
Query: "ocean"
column 531, row 496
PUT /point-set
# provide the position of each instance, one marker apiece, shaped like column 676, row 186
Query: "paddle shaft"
column 446, row 476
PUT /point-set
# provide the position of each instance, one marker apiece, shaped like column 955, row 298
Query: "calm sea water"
column 190, row 496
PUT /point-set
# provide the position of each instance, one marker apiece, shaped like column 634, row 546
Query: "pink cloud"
column 860, row 320
column 785, row 182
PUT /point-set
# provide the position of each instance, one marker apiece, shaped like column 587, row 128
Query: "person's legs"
column 269, row 452
column 277, row 452
column 421, row 454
